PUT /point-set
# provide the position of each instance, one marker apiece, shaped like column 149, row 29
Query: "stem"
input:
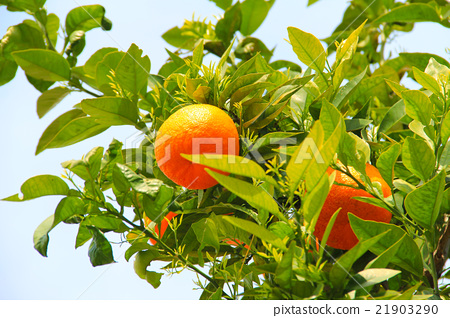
column 81, row 88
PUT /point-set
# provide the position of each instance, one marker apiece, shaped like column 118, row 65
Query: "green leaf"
column 206, row 232
column 415, row 12
column 25, row 5
column 348, row 48
column 100, row 251
column 69, row 207
column 427, row 81
column 21, row 37
column 308, row 48
column 421, row 60
column 386, row 162
column 137, row 247
column 232, row 164
column 8, row 71
column 40, row 186
column 68, row 129
column 238, row 83
column 90, row 67
column 444, row 159
column 256, row 230
column 133, row 70
column 370, row 277
column 423, row 204
column 347, row 90
column 49, row 99
column 111, row 110
column 418, row 157
column 83, row 235
column 223, row 4
column 343, row 265
column 86, row 18
column 284, row 273
column 52, row 27
column 357, row 123
column 106, row 70
column 255, row 196
column 254, row 13
column 314, row 200
column 153, row 278
column 139, row 183
column 445, row 129
column 155, row 209
column 43, row 64
column 103, row 222
column 408, row 255
column 392, row 117
column 418, row 106
column 143, row 260
column 385, row 258
column 229, row 24
column 40, row 236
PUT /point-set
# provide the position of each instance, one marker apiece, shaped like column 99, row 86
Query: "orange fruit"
column 164, row 224
column 342, row 236
column 194, row 129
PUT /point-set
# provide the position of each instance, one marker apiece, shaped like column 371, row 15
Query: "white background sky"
column 67, row 273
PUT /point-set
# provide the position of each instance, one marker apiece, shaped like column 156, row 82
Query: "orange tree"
column 251, row 236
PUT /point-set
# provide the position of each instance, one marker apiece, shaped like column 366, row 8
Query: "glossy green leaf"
column 52, row 26
column 253, row 14
column 314, row 200
column 223, row 4
column 392, row 117
column 83, row 236
column 284, row 273
column 25, row 5
column 445, row 129
column 8, row 71
column 229, row 24
column 137, row 247
column 427, row 81
column 341, row 268
column 415, row 12
column 383, row 260
column 356, row 123
column 348, row 47
column 105, row 70
column 41, row 237
column 206, row 232
column 153, row 278
column 143, row 260
column 444, row 159
column 408, row 255
column 111, row 110
column 139, row 183
column 418, row 106
column 418, row 157
column 68, row 129
column 90, row 67
column 232, row 164
column 21, row 37
column 370, row 277
column 255, row 196
column 423, row 204
column 103, row 222
column 49, row 99
column 347, row 90
column 421, row 60
column 40, row 186
column 257, row 230
column 69, row 207
column 100, row 251
column 308, row 48
column 43, row 64
column 157, row 209
column 86, row 18
column 386, row 162
column 133, row 70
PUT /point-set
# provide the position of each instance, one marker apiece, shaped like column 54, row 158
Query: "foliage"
column 250, row 237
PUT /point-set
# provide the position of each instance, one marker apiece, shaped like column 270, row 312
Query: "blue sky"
column 67, row 273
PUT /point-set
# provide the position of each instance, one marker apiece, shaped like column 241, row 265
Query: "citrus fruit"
column 164, row 224
column 340, row 196
column 194, row 129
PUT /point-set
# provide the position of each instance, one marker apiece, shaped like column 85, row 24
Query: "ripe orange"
column 194, row 129
column 342, row 236
column 164, row 224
